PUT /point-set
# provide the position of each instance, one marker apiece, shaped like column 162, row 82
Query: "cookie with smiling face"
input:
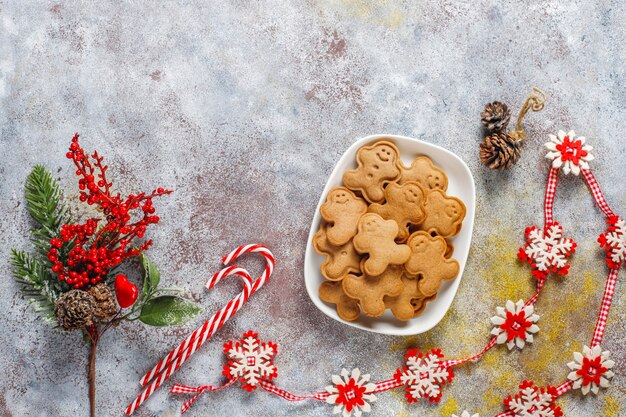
column 424, row 172
column 342, row 211
column 444, row 214
column 340, row 260
column 377, row 165
column 404, row 204
column 428, row 260
column 376, row 237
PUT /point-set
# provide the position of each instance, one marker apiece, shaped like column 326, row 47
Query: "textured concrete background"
column 243, row 108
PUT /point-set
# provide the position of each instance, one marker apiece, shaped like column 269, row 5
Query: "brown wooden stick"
column 93, row 344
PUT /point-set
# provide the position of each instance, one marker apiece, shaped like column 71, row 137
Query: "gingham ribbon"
column 184, row 389
column 594, row 187
column 548, row 202
column 605, row 307
column 179, row 355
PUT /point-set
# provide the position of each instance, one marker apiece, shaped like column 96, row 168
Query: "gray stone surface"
column 243, row 108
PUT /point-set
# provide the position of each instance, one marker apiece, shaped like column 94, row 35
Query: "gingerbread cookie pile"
column 384, row 235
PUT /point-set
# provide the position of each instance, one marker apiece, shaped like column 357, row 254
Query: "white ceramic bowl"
column 460, row 184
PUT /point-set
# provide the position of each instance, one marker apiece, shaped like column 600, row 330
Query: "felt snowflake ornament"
column 569, row 152
column 250, row 360
column 547, row 251
column 424, row 375
column 614, row 242
column 466, row 414
column 352, row 392
column 591, row 370
column 532, row 401
column 515, row 324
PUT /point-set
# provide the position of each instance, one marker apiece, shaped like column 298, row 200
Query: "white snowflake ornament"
column 569, row 152
column 250, row 361
column 465, row 414
column 614, row 242
column 591, row 370
column 352, row 392
column 532, row 401
column 424, row 375
column 515, row 324
column 547, row 251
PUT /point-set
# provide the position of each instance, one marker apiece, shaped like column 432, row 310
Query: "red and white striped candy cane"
column 173, row 360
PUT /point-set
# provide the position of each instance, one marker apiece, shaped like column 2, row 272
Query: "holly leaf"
column 151, row 275
column 168, row 310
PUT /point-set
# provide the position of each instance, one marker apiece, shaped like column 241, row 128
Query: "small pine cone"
column 75, row 309
column 105, row 301
column 499, row 151
column 496, row 116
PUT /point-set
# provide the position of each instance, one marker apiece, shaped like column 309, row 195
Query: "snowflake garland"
column 569, row 152
column 614, row 242
column 591, row 370
column 424, row 375
column 515, row 324
column 532, row 401
column 547, row 251
column 351, row 392
column 250, row 360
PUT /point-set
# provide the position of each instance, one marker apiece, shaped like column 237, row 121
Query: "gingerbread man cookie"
column 378, row 164
column 425, row 173
column 342, row 211
column 376, row 237
column 347, row 308
column 403, row 305
column 370, row 291
column 444, row 214
column 404, row 204
column 340, row 260
column 428, row 260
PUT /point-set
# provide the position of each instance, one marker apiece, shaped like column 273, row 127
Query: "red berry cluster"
column 84, row 253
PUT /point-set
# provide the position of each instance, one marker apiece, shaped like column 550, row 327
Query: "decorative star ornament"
column 569, row 152
column 351, row 393
column 515, row 324
column 591, row 370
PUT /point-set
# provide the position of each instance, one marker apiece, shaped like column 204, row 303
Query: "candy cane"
column 173, row 360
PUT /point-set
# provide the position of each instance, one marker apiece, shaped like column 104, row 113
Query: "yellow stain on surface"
column 448, row 407
column 612, row 407
column 376, row 12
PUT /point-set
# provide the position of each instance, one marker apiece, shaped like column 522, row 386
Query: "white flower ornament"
column 591, row 370
column 515, row 325
column 352, row 392
column 569, row 152
column 465, row 414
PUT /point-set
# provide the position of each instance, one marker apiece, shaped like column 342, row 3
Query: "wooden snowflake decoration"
column 547, row 251
column 532, row 401
column 614, row 242
column 424, row 375
column 250, row 360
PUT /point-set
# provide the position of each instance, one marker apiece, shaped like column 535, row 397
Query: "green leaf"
column 151, row 275
column 168, row 310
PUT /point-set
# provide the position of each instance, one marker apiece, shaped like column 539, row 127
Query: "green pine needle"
column 37, row 283
column 32, row 272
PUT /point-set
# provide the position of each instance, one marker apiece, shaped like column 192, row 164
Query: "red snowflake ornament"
column 532, row 401
column 547, row 251
column 614, row 242
column 424, row 375
column 250, row 360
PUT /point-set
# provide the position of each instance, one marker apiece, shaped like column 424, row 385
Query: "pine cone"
column 499, row 151
column 75, row 309
column 105, row 301
column 496, row 116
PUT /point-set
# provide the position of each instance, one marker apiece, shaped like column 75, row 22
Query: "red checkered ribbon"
column 594, row 187
column 548, row 205
column 605, row 307
column 184, row 389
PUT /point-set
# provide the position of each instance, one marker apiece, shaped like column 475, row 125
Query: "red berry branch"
column 93, row 248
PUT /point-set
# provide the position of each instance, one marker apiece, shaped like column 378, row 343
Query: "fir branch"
column 37, row 283
column 43, row 199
